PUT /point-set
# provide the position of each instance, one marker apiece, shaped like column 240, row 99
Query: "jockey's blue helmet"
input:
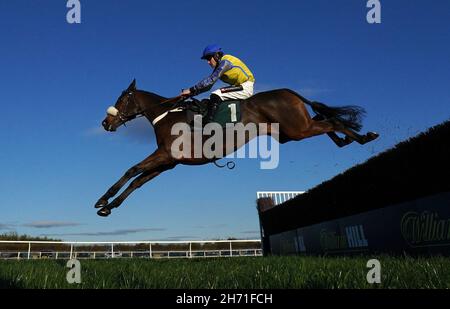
column 211, row 50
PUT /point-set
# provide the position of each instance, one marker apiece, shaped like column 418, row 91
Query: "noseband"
column 113, row 111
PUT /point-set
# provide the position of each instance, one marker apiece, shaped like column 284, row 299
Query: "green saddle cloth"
column 228, row 112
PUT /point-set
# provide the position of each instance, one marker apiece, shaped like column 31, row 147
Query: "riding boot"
column 214, row 103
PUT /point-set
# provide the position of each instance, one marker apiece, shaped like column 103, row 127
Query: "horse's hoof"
column 371, row 136
column 101, row 203
column 104, row 212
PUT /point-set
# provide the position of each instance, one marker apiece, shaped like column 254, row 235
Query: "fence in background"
column 278, row 197
column 128, row 249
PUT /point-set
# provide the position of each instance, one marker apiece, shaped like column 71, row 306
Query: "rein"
column 230, row 165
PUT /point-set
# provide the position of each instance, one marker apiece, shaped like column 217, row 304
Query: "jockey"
column 228, row 69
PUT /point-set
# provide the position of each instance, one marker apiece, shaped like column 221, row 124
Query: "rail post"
column 29, row 250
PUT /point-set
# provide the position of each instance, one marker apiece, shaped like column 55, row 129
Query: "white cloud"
column 50, row 224
column 110, row 233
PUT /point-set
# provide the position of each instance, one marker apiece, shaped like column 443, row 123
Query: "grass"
column 230, row 273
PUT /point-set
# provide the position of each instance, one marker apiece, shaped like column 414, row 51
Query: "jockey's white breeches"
column 245, row 93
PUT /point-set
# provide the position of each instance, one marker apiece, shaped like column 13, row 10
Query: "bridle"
column 138, row 110
column 124, row 118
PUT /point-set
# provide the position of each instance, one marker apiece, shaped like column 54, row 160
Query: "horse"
column 282, row 106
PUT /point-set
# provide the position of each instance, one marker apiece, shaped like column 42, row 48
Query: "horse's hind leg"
column 313, row 128
column 339, row 141
column 361, row 139
column 330, row 126
column 350, row 135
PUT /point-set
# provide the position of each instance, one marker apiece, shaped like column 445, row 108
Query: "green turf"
column 230, row 273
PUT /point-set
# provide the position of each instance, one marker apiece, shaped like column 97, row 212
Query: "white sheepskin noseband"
column 112, row 111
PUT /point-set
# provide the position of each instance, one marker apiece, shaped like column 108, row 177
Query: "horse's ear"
column 132, row 85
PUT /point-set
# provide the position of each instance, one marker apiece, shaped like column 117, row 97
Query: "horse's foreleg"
column 152, row 161
column 135, row 184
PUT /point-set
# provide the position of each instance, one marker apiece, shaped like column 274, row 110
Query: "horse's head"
column 125, row 109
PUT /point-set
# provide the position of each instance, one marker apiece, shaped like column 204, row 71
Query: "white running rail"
column 278, row 197
column 10, row 249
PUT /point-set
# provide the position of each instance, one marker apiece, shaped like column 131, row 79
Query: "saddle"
column 228, row 111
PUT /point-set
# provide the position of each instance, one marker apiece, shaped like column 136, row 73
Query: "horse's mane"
column 157, row 96
column 176, row 100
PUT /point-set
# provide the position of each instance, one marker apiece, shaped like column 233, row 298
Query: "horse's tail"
column 350, row 115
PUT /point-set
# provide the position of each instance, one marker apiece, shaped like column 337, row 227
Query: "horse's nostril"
column 104, row 123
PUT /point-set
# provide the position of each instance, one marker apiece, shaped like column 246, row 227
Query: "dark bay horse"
column 282, row 106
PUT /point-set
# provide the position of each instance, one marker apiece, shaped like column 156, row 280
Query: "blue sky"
column 57, row 79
